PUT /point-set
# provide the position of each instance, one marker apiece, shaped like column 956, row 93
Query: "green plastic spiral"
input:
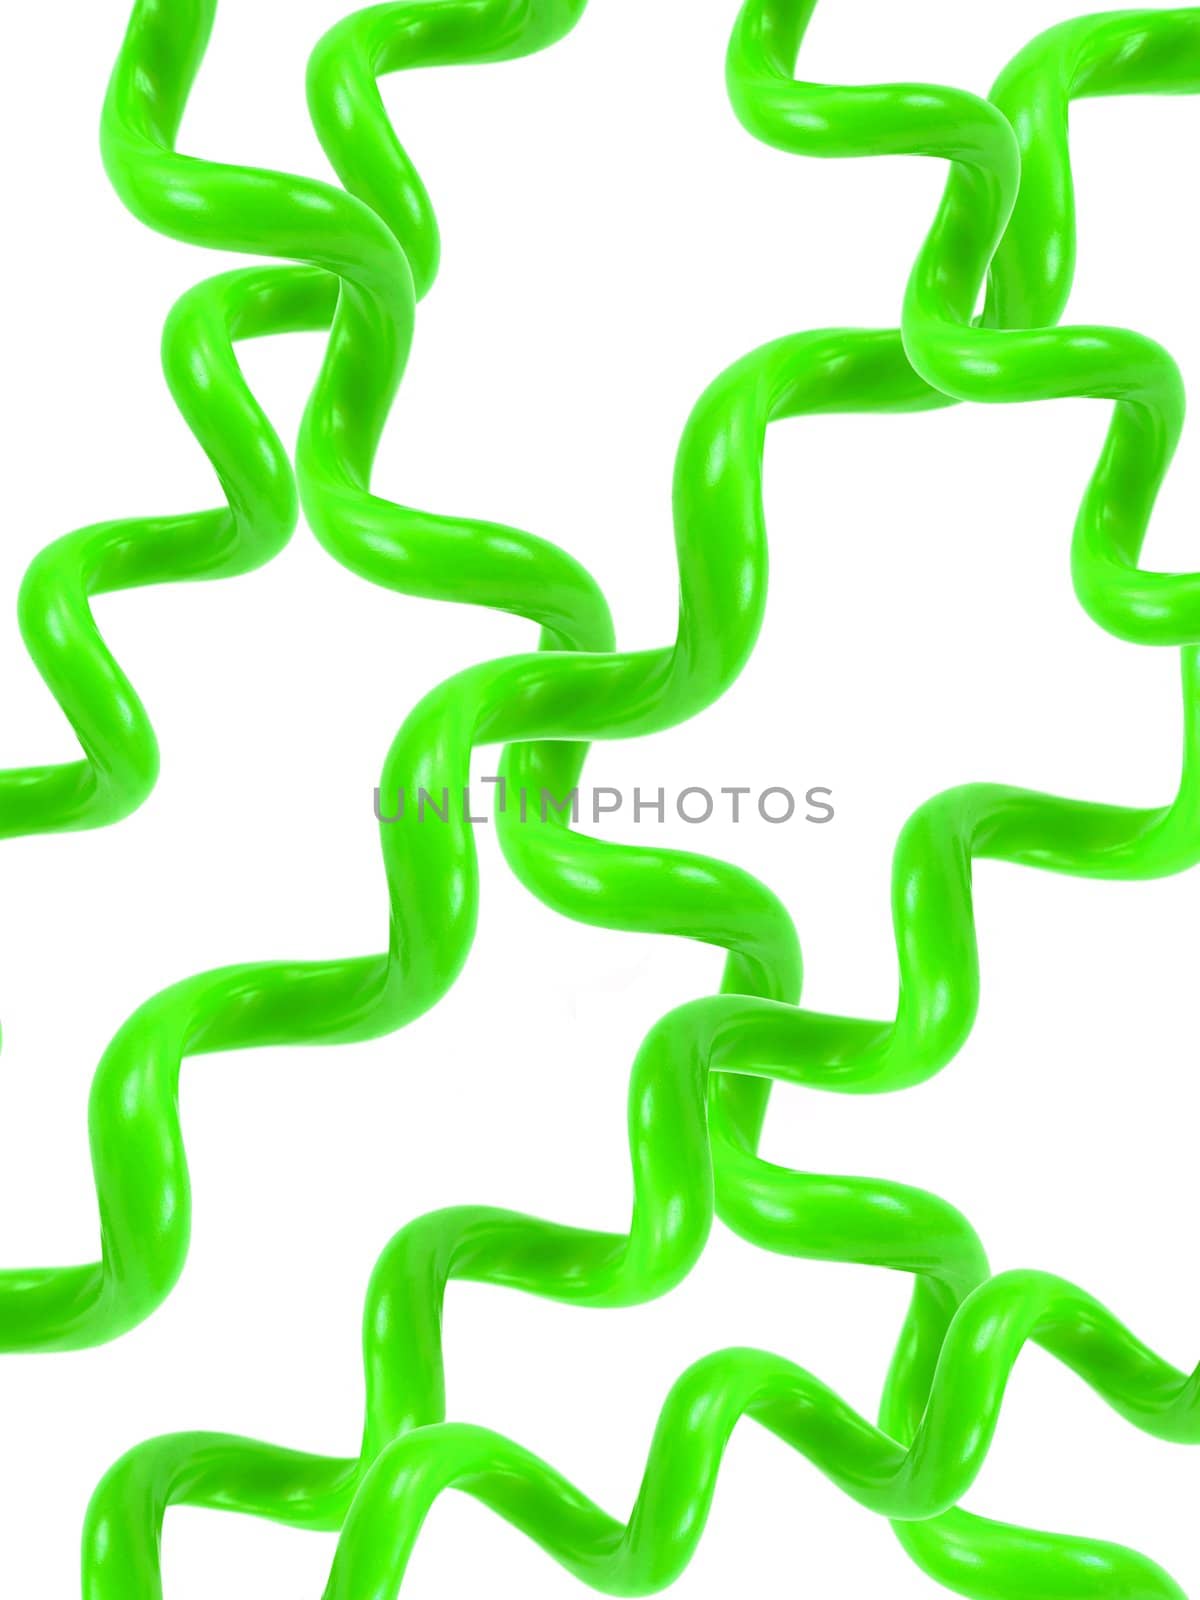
column 120, row 759
column 700, row 1083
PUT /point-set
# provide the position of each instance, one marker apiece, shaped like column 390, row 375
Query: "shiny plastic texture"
column 358, row 259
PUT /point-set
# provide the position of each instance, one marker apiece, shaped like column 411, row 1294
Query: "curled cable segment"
column 384, row 1517
column 1017, row 355
column 356, row 279
column 120, row 753
column 700, row 1083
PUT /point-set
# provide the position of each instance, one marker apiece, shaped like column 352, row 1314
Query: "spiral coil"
column 359, row 259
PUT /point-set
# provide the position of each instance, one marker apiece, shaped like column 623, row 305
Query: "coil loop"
column 700, row 1083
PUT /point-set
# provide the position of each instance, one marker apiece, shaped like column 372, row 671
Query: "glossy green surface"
column 359, row 257
column 120, row 760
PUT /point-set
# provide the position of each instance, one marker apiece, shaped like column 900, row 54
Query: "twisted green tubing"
column 137, row 1147
column 381, row 1519
column 120, row 760
column 480, row 1243
column 140, row 1172
column 1029, row 283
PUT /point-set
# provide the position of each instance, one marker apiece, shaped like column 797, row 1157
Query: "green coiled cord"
column 120, row 753
column 365, row 255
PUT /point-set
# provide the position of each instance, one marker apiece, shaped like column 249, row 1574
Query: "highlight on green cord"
column 354, row 261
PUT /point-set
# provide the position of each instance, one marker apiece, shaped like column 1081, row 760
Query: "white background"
column 612, row 239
